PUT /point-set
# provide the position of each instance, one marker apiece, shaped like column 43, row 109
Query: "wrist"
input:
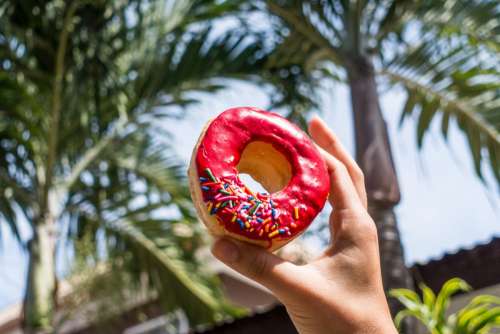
column 379, row 321
column 378, row 327
column 388, row 328
column 384, row 325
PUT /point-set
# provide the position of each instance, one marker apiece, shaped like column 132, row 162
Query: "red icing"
column 220, row 151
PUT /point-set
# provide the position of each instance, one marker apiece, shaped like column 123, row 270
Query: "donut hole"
column 251, row 183
column 266, row 165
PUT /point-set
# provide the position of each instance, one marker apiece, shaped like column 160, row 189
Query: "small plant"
column 478, row 317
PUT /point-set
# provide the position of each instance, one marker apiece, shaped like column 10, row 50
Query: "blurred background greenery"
column 91, row 91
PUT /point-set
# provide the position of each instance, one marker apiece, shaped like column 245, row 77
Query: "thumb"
column 257, row 264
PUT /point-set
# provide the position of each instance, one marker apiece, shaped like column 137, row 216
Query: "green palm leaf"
column 450, row 87
column 177, row 285
column 94, row 86
column 137, row 201
column 451, row 72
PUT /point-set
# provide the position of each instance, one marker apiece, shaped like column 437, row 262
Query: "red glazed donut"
column 274, row 152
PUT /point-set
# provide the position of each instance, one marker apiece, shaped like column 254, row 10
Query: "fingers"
column 343, row 193
column 327, row 140
column 257, row 264
column 350, row 223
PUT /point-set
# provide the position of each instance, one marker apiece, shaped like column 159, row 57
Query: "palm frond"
column 195, row 65
column 312, row 29
column 204, row 10
column 136, row 197
column 146, row 157
column 167, row 78
column 17, row 175
column 441, row 77
column 452, row 69
column 305, row 39
column 474, row 21
column 127, row 65
column 392, row 22
column 186, row 288
column 146, row 250
column 292, row 90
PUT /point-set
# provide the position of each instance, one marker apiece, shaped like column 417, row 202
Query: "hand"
column 340, row 291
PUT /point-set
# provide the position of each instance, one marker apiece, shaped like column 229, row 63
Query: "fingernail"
column 225, row 250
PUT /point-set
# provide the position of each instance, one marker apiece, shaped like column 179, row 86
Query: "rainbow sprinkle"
column 210, row 175
column 233, row 202
column 273, row 234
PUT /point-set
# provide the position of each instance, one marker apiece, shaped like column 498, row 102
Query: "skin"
column 341, row 290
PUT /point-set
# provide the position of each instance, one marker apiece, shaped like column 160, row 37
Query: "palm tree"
column 443, row 53
column 83, row 88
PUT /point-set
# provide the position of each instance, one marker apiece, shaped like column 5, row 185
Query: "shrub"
column 478, row 317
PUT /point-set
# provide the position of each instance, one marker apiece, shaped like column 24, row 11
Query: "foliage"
column 83, row 88
column 453, row 70
column 444, row 54
column 479, row 316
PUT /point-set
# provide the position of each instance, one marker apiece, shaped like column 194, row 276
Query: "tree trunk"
column 39, row 302
column 374, row 156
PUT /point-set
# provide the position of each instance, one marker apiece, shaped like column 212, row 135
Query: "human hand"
column 341, row 290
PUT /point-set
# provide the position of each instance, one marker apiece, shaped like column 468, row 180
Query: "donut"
column 278, row 155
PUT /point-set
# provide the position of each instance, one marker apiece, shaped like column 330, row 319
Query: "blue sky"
column 444, row 206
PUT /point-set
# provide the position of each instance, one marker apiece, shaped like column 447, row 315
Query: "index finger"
column 326, row 139
column 343, row 194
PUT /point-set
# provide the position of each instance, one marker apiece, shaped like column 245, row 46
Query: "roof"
column 478, row 266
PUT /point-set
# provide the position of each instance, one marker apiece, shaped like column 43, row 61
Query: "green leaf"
column 486, row 320
column 467, row 315
column 428, row 296
column 449, row 61
column 485, row 299
column 183, row 290
column 408, row 298
column 451, row 287
column 401, row 315
column 410, row 104
column 445, row 124
column 477, row 307
column 474, row 138
column 494, row 156
column 482, row 130
column 125, row 66
column 429, row 109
